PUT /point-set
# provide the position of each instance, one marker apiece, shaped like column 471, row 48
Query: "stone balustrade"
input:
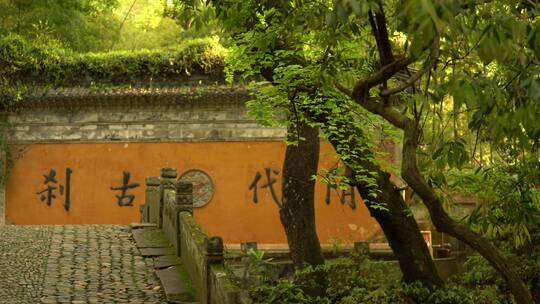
column 169, row 205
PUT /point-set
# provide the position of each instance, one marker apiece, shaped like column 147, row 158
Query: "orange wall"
column 231, row 213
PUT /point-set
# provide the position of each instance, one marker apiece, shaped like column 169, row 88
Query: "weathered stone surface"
column 149, row 238
column 168, row 172
column 23, row 259
column 214, row 249
column 184, row 196
column 188, row 121
column 74, row 264
column 154, row 252
column 153, row 181
column 142, row 225
column 152, row 200
column 166, row 261
column 176, row 289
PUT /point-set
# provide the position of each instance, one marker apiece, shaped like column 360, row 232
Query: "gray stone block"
column 168, row 172
column 154, row 252
column 149, row 238
column 176, row 288
column 142, row 225
column 166, row 261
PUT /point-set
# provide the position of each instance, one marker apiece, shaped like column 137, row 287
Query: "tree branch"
column 375, row 106
column 362, row 87
column 428, row 65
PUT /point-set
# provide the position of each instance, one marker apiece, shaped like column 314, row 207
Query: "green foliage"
column 143, row 24
column 287, row 44
column 81, row 25
column 456, row 294
column 526, row 259
column 259, row 267
column 195, row 17
column 46, row 63
column 104, row 25
column 509, row 200
column 284, row 291
column 371, row 282
column 473, row 80
column 452, row 153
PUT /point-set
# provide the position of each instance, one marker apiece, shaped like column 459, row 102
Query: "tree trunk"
column 402, row 233
column 398, row 225
column 297, row 211
column 444, row 223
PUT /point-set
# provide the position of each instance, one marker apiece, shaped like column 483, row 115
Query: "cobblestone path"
column 74, row 264
column 23, row 254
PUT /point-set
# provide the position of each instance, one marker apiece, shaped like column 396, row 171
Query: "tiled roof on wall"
column 81, row 96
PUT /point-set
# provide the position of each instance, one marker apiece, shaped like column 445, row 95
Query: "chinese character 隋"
column 343, row 194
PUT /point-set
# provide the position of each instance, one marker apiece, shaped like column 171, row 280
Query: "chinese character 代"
column 269, row 184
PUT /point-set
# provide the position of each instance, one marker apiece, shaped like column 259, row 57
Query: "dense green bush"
column 526, row 259
column 375, row 282
column 45, row 62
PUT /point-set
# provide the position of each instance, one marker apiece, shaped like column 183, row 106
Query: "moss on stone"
column 185, row 277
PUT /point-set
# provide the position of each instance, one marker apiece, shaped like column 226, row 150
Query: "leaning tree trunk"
column 444, row 223
column 297, row 211
column 409, row 168
column 402, row 233
column 398, row 225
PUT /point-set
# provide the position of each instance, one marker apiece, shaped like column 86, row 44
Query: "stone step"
column 166, row 261
column 149, row 238
column 176, row 284
column 155, row 252
column 142, row 225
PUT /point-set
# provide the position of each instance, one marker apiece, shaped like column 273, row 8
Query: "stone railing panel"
column 169, row 203
column 192, row 254
column 152, row 199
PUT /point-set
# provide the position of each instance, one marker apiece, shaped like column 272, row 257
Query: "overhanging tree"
column 434, row 26
column 270, row 41
column 480, row 56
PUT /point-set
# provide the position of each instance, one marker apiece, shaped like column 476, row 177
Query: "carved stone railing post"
column 153, row 198
column 214, row 250
column 168, row 177
column 184, row 196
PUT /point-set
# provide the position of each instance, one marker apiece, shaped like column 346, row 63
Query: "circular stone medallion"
column 203, row 187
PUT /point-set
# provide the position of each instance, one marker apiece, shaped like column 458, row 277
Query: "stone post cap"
column 214, row 246
column 168, row 172
column 153, row 181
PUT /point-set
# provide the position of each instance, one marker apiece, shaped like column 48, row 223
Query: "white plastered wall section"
column 219, row 121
